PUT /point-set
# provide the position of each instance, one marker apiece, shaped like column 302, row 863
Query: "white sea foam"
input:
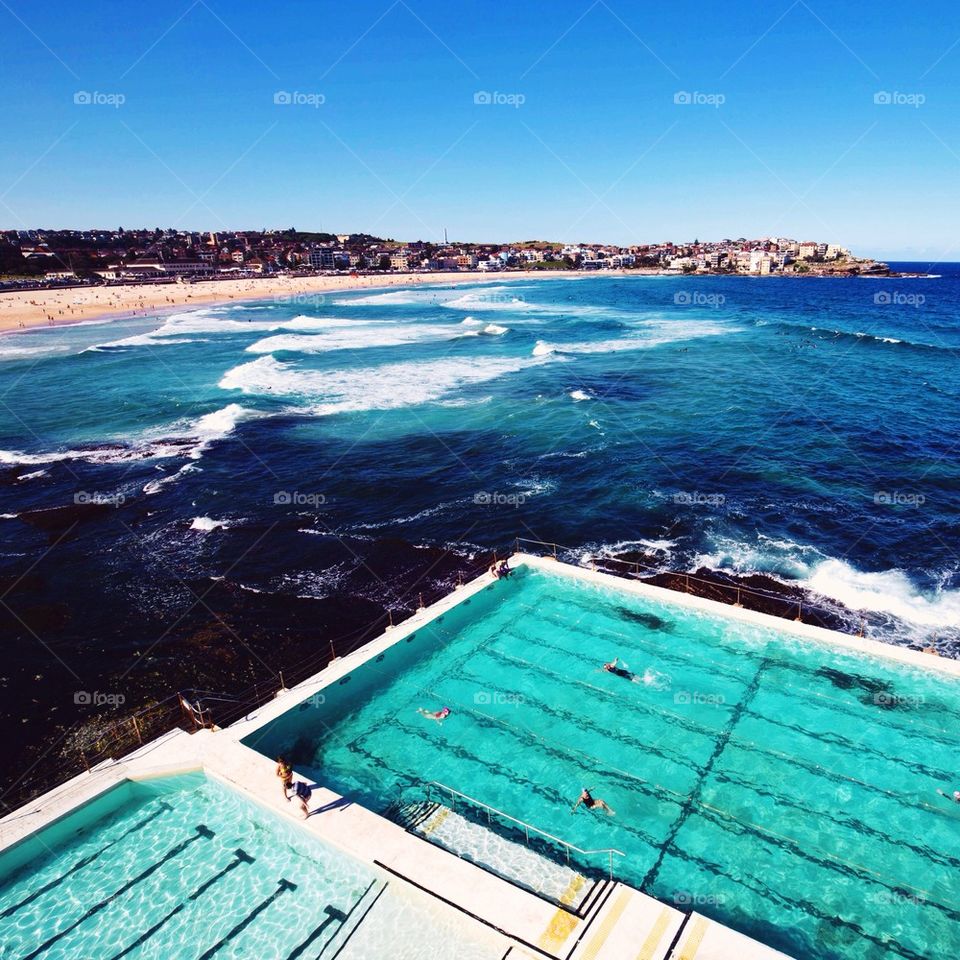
column 649, row 334
column 206, row 524
column 155, row 486
column 189, row 438
column 32, row 475
column 889, row 592
column 368, row 388
column 579, row 395
column 363, row 336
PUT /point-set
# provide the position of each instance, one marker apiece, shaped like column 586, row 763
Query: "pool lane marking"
column 776, row 663
column 283, row 885
column 86, row 861
column 694, row 800
column 655, row 935
column 240, row 856
column 691, row 945
column 346, row 917
column 748, row 744
column 726, row 816
column 202, row 831
column 606, row 925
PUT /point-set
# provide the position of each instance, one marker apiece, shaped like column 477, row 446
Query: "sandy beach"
column 23, row 309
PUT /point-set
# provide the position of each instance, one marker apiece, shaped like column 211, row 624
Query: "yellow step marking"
column 436, row 820
column 573, row 888
column 656, row 935
column 558, row 932
column 692, row 944
column 607, row 925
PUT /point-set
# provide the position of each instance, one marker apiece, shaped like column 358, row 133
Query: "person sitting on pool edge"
column 592, row 803
column 614, row 667
column 285, row 773
column 440, row 715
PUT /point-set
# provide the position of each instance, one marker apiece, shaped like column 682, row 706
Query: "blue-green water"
column 185, row 868
column 197, row 500
column 784, row 788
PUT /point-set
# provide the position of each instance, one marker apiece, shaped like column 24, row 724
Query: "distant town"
column 40, row 258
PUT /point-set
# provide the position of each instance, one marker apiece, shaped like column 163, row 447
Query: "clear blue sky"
column 598, row 150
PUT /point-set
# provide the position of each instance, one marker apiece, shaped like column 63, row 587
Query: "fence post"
column 799, row 617
column 136, row 727
column 86, row 762
column 686, row 583
column 738, row 603
column 283, row 686
column 333, row 651
column 554, row 551
column 422, row 607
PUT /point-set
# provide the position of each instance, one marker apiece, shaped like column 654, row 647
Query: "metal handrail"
column 609, row 851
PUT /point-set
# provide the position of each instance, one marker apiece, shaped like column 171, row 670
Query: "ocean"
column 200, row 499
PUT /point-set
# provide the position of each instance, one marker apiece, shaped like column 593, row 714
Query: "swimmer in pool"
column 955, row 798
column 438, row 715
column 592, row 803
column 614, row 667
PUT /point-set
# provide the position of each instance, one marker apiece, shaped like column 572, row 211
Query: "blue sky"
column 585, row 140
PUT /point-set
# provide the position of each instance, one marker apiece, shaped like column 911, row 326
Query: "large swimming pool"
column 782, row 786
column 186, row 868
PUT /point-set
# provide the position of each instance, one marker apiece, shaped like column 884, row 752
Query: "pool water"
column 781, row 786
column 186, row 868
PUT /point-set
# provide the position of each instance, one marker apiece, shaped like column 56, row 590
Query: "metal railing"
column 527, row 828
column 778, row 604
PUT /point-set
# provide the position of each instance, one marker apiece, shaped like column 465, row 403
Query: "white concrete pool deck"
column 620, row 923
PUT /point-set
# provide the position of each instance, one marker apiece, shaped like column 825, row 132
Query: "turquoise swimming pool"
column 782, row 786
column 186, row 868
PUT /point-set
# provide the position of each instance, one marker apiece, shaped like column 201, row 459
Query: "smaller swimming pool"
column 184, row 867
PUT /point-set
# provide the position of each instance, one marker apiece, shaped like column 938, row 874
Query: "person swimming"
column 438, row 715
column 618, row 671
column 592, row 803
column 955, row 798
